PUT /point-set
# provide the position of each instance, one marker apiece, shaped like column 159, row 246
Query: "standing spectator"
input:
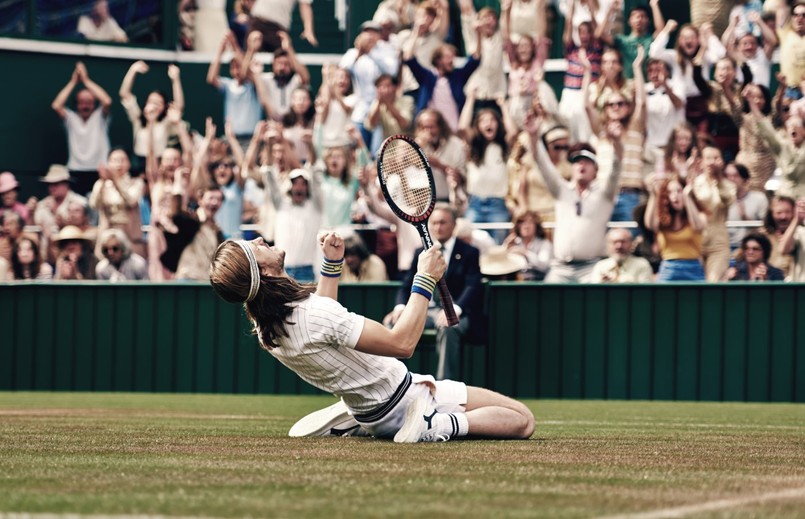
column 8, row 198
column 692, row 46
column 87, row 127
column 463, row 278
column 51, row 211
column 287, row 74
column 361, row 265
column 299, row 213
column 682, row 153
column 789, row 151
column 442, row 88
column 571, row 105
column 665, row 107
column 334, row 106
column 754, row 266
column 27, row 262
column 430, row 28
column 621, row 266
column 744, row 47
column 749, row 204
column 272, row 17
column 725, row 115
column 489, row 80
column 755, row 152
column 445, row 151
column 579, row 12
column 528, row 239
column 100, row 26
column 793, row 242
column 116, row 196
column 210, row 25
column 242, row 106
column 75, row 260
column 639, row 36
column 489, row 138
column 791, row 33
column 366, row 63
column 119, row 262
column 297, row 125
column 673, row 214
column 715, row 194
column 339, row 184
column 154, row 113
column 583, row 207
column 390, row 111
column 200, row 231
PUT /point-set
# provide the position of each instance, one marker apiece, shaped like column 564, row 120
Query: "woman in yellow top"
column 672, row 212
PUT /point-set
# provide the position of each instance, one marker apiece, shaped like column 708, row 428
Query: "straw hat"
column 57, row 173
column 498, row 261
column 70, row 232
column 8, row 182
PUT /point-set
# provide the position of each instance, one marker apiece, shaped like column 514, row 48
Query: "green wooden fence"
column 733, row 342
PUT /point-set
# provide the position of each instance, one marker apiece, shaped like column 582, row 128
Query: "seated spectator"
column 78, row 215
column 272, row 17
column 793, row 242
column 361, row 265
column 442, row 88
column 334, row 106
column 116, row 196
column 11, row 227
column 6, row 272
column 754, row 266
column 75, row 260
column 8, row 198
column 672, row 213
column 489, row 80
column 27, row 262
column 119, row 262
column 100, row 26
column 621, row 266
column 749, row 205
column 501, row 264
column 52, row 211
column 152, row 119
column 87, row 127
column 528, row 239
column 778, row 220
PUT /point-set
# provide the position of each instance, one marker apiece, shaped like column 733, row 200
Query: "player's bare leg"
column 493, row 415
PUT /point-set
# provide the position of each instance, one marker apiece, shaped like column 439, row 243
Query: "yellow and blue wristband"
column 423, row 284
column 332, row 269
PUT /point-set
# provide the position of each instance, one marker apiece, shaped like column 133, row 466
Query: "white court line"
column 22, row 515
column 709, row 506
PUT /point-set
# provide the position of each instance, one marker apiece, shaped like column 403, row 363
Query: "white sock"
column 453, row 424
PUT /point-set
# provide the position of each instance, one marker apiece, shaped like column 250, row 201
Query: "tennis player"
column 355, row 358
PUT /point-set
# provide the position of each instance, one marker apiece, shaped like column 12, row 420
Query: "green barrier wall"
column 683, row 342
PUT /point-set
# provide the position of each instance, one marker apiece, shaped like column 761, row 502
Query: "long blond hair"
column 270, row 309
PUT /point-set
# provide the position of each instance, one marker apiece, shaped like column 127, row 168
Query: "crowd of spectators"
column 642, row 169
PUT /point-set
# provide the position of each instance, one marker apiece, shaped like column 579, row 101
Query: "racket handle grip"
column 446, row 300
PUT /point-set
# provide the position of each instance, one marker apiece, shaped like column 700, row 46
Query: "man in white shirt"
column 87, row 127
column 621, row 266
column 100, row 26
column 270, row 17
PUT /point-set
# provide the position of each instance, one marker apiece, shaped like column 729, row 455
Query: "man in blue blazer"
column 463, row 279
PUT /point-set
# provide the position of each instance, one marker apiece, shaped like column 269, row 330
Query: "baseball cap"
column 583, row 154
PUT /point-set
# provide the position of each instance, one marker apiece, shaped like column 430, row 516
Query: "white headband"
column 253, row 268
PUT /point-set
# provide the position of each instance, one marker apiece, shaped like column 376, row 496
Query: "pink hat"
column 8, row 182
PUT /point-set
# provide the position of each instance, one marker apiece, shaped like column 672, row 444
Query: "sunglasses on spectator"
column 113, row 248
column 225, row 165
column 752, row 247
column 616, row 103
column 560, row 147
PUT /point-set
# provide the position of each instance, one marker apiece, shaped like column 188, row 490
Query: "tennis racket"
column 407, row 183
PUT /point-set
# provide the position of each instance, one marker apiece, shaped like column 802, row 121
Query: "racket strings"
column 406, row 177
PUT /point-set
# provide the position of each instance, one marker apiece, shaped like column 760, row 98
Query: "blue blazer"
column 427, row 81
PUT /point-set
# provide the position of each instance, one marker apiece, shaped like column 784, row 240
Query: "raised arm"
column 467, row 112
column 656, row 14
column 332, row 248
column 306, row 14
column 441, row 24
column 604, row 31
column 508, row 123
column 176, row 86
column 639, row 112
column 553, row 181
column 589, row 105
column 298, row 66
column 651, row 218
column 567, row 33
column 787, row 242
column 248, row 164
column 200, row 175
column 215, row 65
column 97, row 90
column 770, row 40
column 61, row 98
column 235, row 147
column 138, row 67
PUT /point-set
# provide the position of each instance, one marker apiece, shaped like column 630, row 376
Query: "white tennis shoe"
column 333, row 420
column 419, row 425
